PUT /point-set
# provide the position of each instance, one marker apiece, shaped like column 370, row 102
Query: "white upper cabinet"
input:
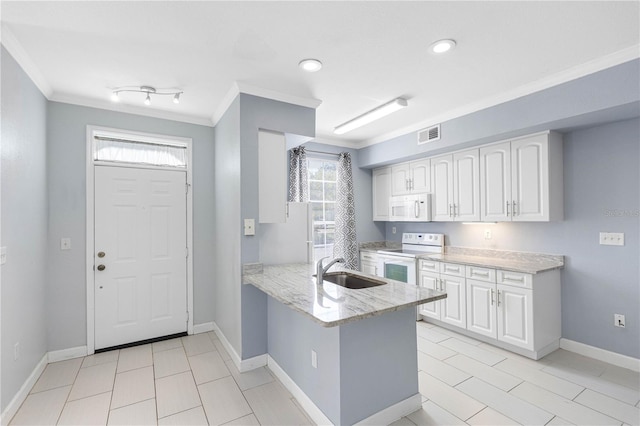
column 412, row 177
column 272, row 177
column 466, row 186
column 381, row 182
column 521, row 180
column 456, row 190
column 495, row 182
column 442, row 182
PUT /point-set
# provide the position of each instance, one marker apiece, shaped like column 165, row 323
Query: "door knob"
column 101, row 254
column 101, row 267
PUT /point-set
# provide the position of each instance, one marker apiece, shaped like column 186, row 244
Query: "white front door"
column 140, row 254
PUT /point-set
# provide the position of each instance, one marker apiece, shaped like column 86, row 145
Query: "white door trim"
column 173, row 140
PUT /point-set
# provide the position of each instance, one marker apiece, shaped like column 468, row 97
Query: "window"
column 322, row 196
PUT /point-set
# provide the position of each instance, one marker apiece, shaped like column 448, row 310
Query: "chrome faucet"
column 323, row 270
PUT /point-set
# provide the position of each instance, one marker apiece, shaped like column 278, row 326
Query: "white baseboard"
column 232, row 352
column 253, row 363
column 305, row 402
column 203, row 328
column 77, row 352
column 620, row 360
column 18, row 399
column 395, row 412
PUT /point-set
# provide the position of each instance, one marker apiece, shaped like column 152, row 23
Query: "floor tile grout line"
column 594, row 409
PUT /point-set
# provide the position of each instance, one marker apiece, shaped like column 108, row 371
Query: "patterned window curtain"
column 345, row 240
column 298, row 187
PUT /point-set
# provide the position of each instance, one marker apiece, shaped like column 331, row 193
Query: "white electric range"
column 401, row 264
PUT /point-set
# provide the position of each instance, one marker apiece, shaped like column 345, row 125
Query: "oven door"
column 397, row 268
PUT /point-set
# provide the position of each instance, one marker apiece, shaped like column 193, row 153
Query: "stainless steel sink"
column 352, row 281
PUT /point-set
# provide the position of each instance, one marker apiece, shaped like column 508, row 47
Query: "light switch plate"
column 3, row 255
column 249, row 227
column 611, row 238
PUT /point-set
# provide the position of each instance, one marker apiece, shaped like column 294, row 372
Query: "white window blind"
column 139, row 152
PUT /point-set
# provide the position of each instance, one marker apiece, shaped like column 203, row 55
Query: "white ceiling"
column 372, row 53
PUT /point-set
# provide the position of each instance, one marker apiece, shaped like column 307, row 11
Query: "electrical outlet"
column 618, row 320
column 393, row 229
column 16, row 351
column 249, row 227
column 65, row 244
column 314, row 359
column 612, row 238
column 3, row 255
column 487, row 234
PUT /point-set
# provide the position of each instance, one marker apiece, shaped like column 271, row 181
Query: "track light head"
column 147, row 101
column 176, row 98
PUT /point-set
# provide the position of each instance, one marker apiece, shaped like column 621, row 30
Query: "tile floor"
column 192, row 381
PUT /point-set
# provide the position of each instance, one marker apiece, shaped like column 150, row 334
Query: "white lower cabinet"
column 369, row 262
column 452, row 309
column 514, row 310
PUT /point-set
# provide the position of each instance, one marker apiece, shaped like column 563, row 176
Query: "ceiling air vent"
column 429, row 134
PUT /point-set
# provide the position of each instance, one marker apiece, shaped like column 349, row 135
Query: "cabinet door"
column 381, row 186
column 466, row 186
column 530, row 179
column 421, row 176
column 368, row 268
column 400, row 175
column 515, row 316
column 495, row 183
column 431, row 309
column 481, row 308
column 454, row 309
column 442, row 188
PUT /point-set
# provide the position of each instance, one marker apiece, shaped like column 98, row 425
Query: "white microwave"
column 410, row 208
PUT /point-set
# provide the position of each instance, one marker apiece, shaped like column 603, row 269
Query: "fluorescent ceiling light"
column 310, row 65
column 370, row 116
column 442, row 46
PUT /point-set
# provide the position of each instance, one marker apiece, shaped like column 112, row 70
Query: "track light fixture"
column 148, row 90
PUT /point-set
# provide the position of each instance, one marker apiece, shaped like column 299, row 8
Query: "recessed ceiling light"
column 442, row 46
column 310, row 65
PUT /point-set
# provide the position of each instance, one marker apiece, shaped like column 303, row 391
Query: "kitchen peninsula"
column 353, row 353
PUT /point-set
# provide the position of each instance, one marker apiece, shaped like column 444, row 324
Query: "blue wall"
column 600, row 176
column 24, row 226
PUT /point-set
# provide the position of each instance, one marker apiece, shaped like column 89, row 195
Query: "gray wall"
column 600, row 176
column 24, row 226
column 606, row 96
column 228, row 225
column 260, row 113
column 66, row 157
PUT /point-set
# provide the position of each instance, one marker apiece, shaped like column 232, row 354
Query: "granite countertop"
column 374, row 246
column 333, row 305
column 530, row 263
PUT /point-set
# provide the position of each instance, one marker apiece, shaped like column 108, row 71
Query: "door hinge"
column 186, row 188
column 186, row 252
column 187, row 316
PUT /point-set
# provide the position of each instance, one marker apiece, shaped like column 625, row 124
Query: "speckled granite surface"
column 379, row 245
column 531, row 263
column 332, row 305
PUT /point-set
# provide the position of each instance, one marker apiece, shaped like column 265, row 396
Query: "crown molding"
column 278, row 96
column 13, row 46
column 131, row 109
column 593, row 66
column 337, row 142
column 226, row 102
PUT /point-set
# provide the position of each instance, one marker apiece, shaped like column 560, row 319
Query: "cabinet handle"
column 407, row 184
column 507, row 208
column 514, row 209
column 411, row 184
column 452, row 269
column 416, row 209
column 450, row 207
column 481, row 273
column 454, row 210
column 492, row 297
column 498, row 297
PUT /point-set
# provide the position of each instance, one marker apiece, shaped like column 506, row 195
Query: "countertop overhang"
column 331, row 305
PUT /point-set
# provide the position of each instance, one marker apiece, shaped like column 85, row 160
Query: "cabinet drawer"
column 516, row 279
column 429, row 265
column 452, row 269
column 367, row 256
column 481, row 274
